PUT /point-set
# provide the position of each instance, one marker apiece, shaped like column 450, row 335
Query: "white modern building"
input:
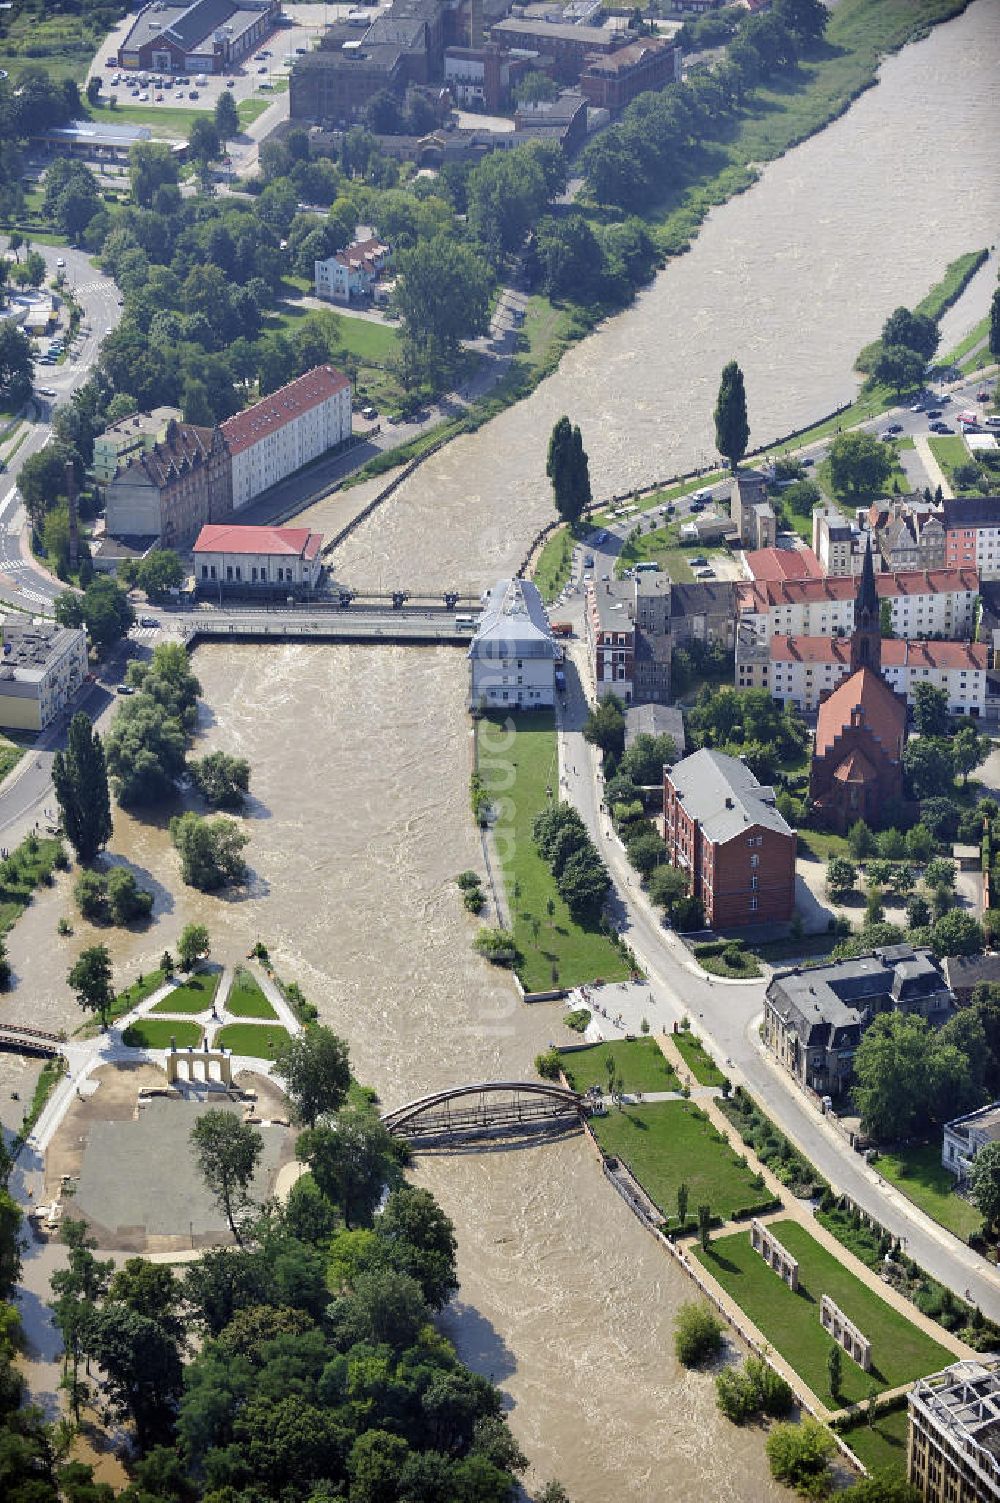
column 837, row 543
column 42, row 667
column 953, row 1444
column 351, row 273
column 290, row 428
column 801, row 670
column 923, row 603
column 230, row 559
column 965, row 1136
column 512, row 659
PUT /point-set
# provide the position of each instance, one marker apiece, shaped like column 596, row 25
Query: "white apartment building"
column 290, row 428
column 963, row 1137
column 230, row 559
column 352, row 272
column 42, row 667
column 836, row 542
column 802, row 670
column 924, row 603
column 512, row 659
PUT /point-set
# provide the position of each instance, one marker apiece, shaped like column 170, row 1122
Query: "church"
column 857, row 766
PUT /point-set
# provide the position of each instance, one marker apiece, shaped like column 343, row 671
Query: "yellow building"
column 953, row 1451
column 42, row 668
column 140, row 431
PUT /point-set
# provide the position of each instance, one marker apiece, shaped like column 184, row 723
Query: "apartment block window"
column 754, row 880
column 755, row 840
column 755, row 861
column 753, row 905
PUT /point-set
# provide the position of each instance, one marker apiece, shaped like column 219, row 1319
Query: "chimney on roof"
column 730, row 804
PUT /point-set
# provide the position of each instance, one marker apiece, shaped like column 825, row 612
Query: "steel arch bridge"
column 485, row 1107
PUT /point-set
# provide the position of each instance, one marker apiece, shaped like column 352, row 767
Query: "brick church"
column 857, row 766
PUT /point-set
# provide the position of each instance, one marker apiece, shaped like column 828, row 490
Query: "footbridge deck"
column 14, row 1039
column 486, row 1108
column 358, row 622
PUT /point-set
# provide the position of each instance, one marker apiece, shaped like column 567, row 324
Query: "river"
column 361, row 759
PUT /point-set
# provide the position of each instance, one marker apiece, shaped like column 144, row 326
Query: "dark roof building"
column 172, row 489
column 208, row 36
column 814, row 1019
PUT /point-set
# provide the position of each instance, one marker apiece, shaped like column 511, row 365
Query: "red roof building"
column 230, row 559
column 289, row 429
column 766, row 565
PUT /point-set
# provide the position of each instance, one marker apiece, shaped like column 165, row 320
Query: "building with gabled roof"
column 203, row 36
column 723, row 830
column 512, row 659
column 234, row 559
column 171, row 488
column 857, row 766
column 286, row 430
column 766, row 565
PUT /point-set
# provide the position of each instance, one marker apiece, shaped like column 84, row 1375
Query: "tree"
column 841, row 875
column 535, row 88
column 15, row 365
column 127, row 901
column 315, row 1070
column 222, row 780
column 145, row 751
column 142, row 1369
column 885, row 1485
column 351, row 1161
column 682, row 1204
column 930, row 710
column 899, row 367
column 193, row 945
column 227, row 1151
column 697, row 1333
column 885, row 620
column 227, row 119
column 605, row 727
column 159, row 573
column 204, row 145
column 860, row 840
column 918, row 912
column 105, row 610
column 152, row 165
column 421, row 1242
column 732, row 431
column 928, row 767
column 800, row 1456
column 80, row 780
column 646, row 851
column 968, row 749
column 90, row 978
column 859, row 466
column 995, row 325
column 42, row 481
column 667, row 886
column 913, row 331
column 568, row 470
column 957, row 933
column 645, row 759
column 984, row 1183
column 210, row 851
column 441, row 295
column 834, row 1369
column 907, row 1076
column 704, row 1226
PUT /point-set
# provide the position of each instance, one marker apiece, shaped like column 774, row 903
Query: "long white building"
column 512, row 660
column 923, row 603
column 290, row 428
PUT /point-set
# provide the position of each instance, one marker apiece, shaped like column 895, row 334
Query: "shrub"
column 497, row 945
column 548, row 1064
column 800, row 1457
column 468, row 880
column 697, row 1333
column 578, row 1019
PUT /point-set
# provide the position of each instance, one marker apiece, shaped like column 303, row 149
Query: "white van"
column 201, row 80
column 993, row 421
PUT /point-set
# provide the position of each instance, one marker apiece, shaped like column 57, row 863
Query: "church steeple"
column 866, row 643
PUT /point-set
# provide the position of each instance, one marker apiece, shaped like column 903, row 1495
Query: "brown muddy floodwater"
column 361, row 761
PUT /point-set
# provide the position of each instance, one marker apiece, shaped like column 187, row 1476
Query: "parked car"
column 935, row 412
column 230, row 83
column 941, row 428
column 148, row 621
column 894, row 428
column 262, row 68
column 124, row 689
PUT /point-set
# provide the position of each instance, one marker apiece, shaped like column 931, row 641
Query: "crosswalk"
column 143, row 633
column 99, row 286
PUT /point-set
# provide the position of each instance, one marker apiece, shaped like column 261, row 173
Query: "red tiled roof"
column 360, row 251
column 881, row 712
column 287, row 542
column 897, row 652
column 783, row 563
column 855, row 768
column 273, row 412
column 771, row 592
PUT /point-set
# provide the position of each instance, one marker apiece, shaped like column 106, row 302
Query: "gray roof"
column 723, row 795
column 513, row 623
column 968, row 970
column 715, row 599
column 824, row 1001
column 654, row 720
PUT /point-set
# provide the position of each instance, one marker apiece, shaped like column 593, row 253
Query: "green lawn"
column 883, row 1445
column 790, row 1322
column 660, row 497
column 525, row 770
column 250, row 1038
column 822, row 844
column 670, row 1142
column 640, row 1063
column 975, row 336
column 194, row 995
column 28, row 866
column 919, row 1173
column 702, row 1066
column 246, row 998
column 156, row 1033
column 10, row 755
column 554, row 563
column 949, row 451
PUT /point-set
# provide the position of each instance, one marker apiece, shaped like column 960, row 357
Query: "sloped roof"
column 855, row 768
column 271, row 413
column 287, row 542
column 782, row 563
column 513, row 623
column 767, row 592
column 723, row 795
column 182, row 448
column 975, row 511
column 897, row 652
column 881, row 712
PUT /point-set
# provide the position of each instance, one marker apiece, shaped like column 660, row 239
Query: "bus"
column 465, row 623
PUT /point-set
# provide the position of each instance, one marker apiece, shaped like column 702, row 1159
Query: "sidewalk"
column 935, row 474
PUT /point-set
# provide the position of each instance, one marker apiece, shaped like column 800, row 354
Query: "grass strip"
column 639, row 1063
column 257, row 1039
column 246, row 998
column 704, row 1069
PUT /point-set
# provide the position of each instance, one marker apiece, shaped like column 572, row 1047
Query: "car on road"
column 941, row 428
column 262, row 68
column 159, row 98
column 887, row 437
column 588, row 562
column 148, row 621
column 808, row 462
column 230, row 83
column 124, row 689
column 369, row 412
column 935, row 412
column 894, row 428
column 193, row 94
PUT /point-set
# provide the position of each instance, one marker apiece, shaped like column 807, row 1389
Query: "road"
column 24, row 584
column 728, row 1015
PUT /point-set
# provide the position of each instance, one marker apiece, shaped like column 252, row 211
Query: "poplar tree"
column 569, row 470
column 80, row 779
column 731, row 427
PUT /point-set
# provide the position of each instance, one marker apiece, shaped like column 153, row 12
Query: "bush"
column 697, row 1333
column 211, row 851
column 497, row 945
column 755, row 1388
column 548, row 1065
column 800, row 1457
column 578, row 1019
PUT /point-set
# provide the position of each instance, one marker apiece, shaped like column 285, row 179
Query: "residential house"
column 723, row 830
column 232, row 559
column 655, row 720
column 965, row 972
column 42, row 668
column 290, row 428
column 801, row 670
column 703, row 612
column 752, row 513
column 571, row 48
column 628, row 629
column 172, row 487
column 140, row 431
column 707, row 528
column 513, row 656
column 836, row 542
column 972, row 534
column 965, row 1136
column 814, row 1018
column 953, row 1442
column 908, row 534
column 772, row 565
column 922, row 603
column 351, row 274
column 562, row 120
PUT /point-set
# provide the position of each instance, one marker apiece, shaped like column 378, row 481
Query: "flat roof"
column 97, row 133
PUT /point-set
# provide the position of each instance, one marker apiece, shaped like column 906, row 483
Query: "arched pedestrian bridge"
column 487, row 1108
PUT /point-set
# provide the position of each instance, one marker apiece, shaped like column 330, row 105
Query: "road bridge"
column 487, row 1108
column 364, row 625
column 17, row 1040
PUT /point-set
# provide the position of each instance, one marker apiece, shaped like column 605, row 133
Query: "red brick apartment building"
column 723, row 830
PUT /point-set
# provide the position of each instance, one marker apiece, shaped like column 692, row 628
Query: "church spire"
column 866, row 643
